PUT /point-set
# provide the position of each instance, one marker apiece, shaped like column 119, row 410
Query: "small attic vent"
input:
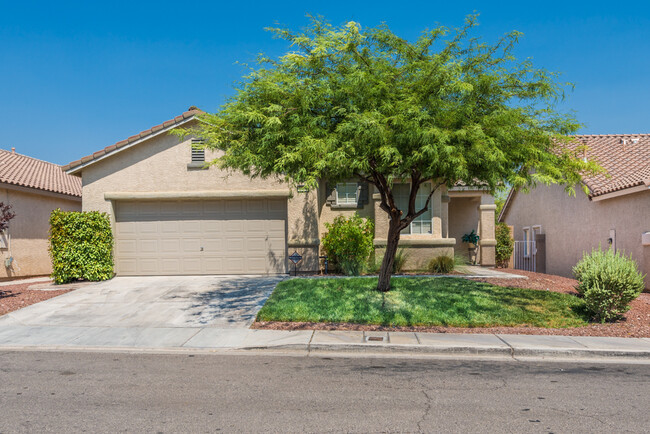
column 198, row 151
column 635, row 141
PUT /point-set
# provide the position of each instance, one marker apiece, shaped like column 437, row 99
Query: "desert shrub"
column 505, row 245
column 442, row 264
column 374, row 263
column 81, row 246
column 349, row 243
column 609, row 281
column 401, row 256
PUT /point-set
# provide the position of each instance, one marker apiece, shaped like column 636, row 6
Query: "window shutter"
column 330, row 194
column 362, row 194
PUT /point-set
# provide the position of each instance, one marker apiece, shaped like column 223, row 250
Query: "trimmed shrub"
column 81, row 246
column 505, row 245
column 442, row 265
column 349, row 243
column 608, row 281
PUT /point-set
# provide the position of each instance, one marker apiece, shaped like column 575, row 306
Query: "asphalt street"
column 111, row 392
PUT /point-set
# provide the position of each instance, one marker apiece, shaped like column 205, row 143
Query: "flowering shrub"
column 348, row 243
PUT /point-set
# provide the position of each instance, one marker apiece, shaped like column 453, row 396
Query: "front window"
column 422, row 224
column 346, row 193
column 527, row 242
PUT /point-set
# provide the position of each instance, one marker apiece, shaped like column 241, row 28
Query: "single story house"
column 173, row 214
column 33, row 188
column 615, row 212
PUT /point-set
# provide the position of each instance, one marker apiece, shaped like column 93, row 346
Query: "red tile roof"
column 29, row 172
column 143, row 134
column 625, row 158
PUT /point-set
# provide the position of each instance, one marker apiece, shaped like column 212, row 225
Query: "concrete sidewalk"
column 307, row 342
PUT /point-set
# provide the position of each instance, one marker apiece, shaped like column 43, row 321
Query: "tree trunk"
column 389, row 257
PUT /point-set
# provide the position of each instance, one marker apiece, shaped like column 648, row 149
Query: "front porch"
column 454, row 212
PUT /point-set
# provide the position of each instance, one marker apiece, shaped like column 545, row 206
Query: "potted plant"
column 472, row 243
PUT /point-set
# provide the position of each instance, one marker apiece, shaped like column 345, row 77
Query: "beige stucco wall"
column 574, row 225
column 27, row 236
column 160, row 165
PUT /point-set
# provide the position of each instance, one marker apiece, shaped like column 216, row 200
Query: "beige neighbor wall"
column 160, row 164
column 27, row 236
column 574, row 225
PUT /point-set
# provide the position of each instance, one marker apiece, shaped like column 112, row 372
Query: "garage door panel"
column 189, row 227
column 171, row 265
column 234, row 207
column 213, row 265
column 255, row 245
column 233, row 225
column 128, row 266
column 169, row 227
column 126, row 228
column 166, row 237
column 211, row 227
column 191, row 265
column 126, row 247
column 235, row 246
column 147, row 265
column 170, row 246
column 148, row 228
column 148, row 246
column 190, row 245
column 256, row 265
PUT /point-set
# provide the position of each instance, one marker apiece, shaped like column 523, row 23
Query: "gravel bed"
column 635, row 324
column 14, row 297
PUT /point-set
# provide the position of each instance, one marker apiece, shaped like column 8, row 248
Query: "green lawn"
column 420, row 301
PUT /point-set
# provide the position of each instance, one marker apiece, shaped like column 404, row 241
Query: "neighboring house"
column 33, row 188
column 172, row 214
column 615, row 213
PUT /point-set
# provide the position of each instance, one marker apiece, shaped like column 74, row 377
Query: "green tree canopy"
column 350, row 102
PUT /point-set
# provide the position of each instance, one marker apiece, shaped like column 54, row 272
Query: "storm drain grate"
column 375, row 339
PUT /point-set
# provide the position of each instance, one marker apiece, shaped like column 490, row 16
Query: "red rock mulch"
column 635, row 324
column 14, row 297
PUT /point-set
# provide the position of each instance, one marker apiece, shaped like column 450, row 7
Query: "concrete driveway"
column 170, row 301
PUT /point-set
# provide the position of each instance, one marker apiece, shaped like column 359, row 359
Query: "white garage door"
column 200, row 237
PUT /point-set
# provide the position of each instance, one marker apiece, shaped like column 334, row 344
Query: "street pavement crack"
column 427, row 410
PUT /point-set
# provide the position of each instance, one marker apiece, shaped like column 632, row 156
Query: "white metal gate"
column 524, row 255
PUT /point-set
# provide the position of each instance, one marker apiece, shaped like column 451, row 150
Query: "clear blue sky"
column 78, row 76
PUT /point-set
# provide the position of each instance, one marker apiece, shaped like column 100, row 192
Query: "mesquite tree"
column 348, row 102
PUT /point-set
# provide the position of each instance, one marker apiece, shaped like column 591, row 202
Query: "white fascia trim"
column 207, row 194
column 614, row 194
column 77, row 169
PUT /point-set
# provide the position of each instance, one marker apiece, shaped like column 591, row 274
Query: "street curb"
column 369, row 350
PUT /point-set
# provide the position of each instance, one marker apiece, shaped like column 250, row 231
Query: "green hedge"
column 81, row 246
column 505, row 245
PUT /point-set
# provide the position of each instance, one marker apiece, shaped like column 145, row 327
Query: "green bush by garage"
column 81, row 246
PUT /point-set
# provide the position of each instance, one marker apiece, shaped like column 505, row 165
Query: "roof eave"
column 76, row 167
